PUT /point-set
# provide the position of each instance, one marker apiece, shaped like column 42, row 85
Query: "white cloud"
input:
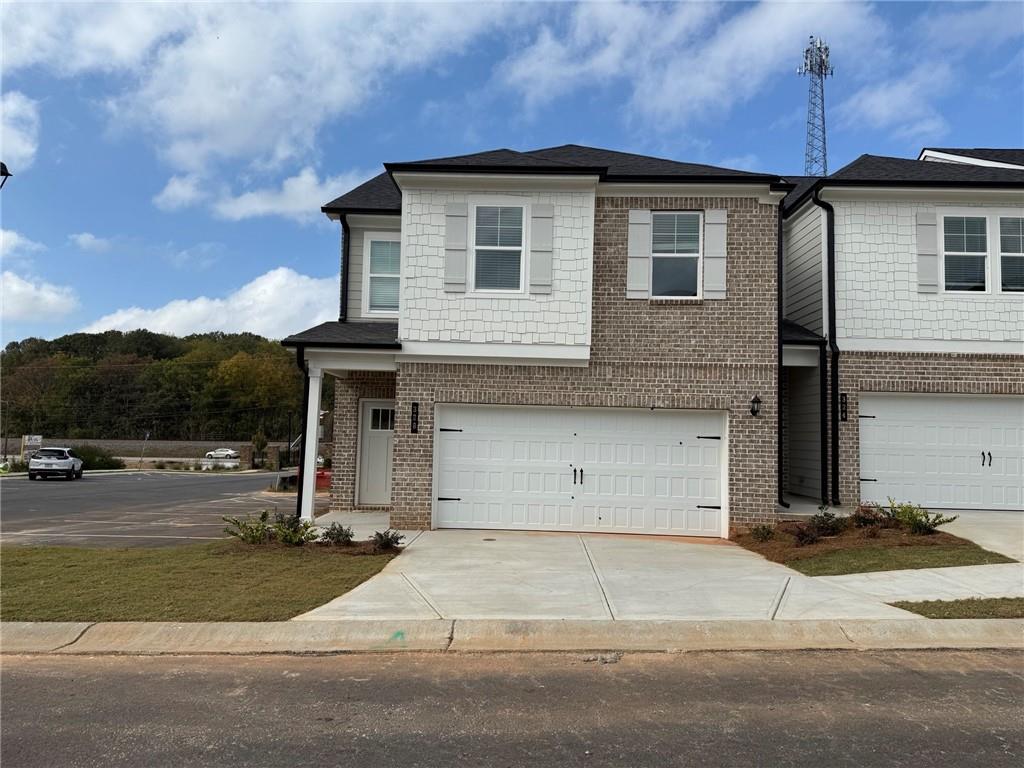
column 252, row 83
column 683, row 62
column 14, row 245
column 902, row 105
column 87, row 241
column 179, row 192
column 19, row 130
column 28, row 299
column 275, row 305
column 299, row 197
column 197, row 257
column 747, row 162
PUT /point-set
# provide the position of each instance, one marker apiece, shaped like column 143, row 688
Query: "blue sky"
column 170, row 160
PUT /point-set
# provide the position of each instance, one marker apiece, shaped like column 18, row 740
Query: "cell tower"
column 816, row 64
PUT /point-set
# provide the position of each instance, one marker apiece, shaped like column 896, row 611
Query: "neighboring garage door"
column 943, row 451
column 620, row 470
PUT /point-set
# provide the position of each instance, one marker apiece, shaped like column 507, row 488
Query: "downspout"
column 823, row 421
column 300, row 360
column 830, row 242
column 345, row 238
column 779, row 265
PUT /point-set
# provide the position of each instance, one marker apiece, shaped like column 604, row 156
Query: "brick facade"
column 703, row 354
column 968, row 374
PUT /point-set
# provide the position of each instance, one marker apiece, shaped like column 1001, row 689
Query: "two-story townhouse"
column 908, row 276
column 568, row 338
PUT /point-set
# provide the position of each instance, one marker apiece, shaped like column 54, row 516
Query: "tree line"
column 115, row 385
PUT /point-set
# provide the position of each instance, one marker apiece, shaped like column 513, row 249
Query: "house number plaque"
column 414, row 418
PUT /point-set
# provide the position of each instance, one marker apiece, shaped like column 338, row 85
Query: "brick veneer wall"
column 347, row 394
column 860, row 372
column 702, row 354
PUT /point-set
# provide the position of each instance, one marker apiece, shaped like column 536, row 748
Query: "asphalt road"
column 131, row 509
column 811, row 709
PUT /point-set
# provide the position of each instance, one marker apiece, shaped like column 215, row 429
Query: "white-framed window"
column 382, row 268
column 677, row 243
column 498, row 234
column 1011, row 253
column 382, row 419
column 964, row 253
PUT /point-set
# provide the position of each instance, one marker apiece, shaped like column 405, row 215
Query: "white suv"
column 62, row 462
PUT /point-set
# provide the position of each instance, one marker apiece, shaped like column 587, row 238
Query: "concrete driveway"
column 1001, row 532
column 511, row 575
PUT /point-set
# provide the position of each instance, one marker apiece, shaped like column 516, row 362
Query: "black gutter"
column 823, row 422
column 342, row 210
column 830, row 240
column 779, row 284
column 345, row 247
column 300, row 360
column 342, row 344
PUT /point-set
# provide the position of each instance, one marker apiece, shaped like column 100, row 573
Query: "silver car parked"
column 55, row 462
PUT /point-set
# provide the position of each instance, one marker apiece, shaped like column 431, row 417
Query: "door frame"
column 365, row 402
column 723, row 454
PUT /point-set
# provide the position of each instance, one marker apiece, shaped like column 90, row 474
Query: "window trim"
column 471, row 247
column 699, row 296
column 380, row 236
column 999, row 216
column 940, row 235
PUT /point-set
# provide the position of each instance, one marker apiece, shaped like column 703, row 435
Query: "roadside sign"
column 30, row 444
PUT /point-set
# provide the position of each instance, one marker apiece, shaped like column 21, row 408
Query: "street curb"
column 491, row 636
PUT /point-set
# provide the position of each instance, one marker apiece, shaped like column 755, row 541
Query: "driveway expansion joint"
column 597, row 578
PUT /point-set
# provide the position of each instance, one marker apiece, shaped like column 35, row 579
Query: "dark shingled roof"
column 875, row 170
column 347, row 335
column 803, row 186
column 794, row 333
column 1007, row 155
column 380, row 195
column 626, row 165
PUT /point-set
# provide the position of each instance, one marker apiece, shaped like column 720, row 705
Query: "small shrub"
column 916, row 519
column 805, row 534
column 762, row 532
column 293, row 530
column 338, row 535
column 94, row 457
column 867, row 516
column 385, row 540
column 160, row 465
column 871, row 531
column 826, row 523
column 250, row 530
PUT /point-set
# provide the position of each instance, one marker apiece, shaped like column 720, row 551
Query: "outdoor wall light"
column 755, row 406
column 4, row 174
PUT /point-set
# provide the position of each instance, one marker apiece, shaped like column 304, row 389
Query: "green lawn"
column 865, row 559
column 225, row 581
column 976, row 608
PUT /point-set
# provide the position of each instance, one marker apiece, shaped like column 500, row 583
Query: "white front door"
column 376, row 435
column 622, row 470
column 943, row 451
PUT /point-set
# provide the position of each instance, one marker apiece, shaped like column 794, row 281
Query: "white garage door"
column 618, row 470
column 943, row 451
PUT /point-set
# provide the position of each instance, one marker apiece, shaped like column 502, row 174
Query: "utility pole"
column 817, row 66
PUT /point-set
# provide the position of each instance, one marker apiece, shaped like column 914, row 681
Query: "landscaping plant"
column 826, row 523
column 250, row 530
column 867, row 516
column 805, row 534
column 293, row 530
column 338, row 535
column 385, row 540
column 98, row 458
column 762, row 532
column 916, row 519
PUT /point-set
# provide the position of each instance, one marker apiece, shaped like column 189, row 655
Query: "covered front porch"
column 803, row 442
column 362, row 359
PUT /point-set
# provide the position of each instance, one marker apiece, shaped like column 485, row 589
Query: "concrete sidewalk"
column 957, row 583
column 436, row 635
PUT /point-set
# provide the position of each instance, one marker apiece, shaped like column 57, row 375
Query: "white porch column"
column 311, row 430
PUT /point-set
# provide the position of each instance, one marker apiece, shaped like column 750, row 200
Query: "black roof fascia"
column 533, row 170
column 914, row 184
column 344, row 211
column 292, row 344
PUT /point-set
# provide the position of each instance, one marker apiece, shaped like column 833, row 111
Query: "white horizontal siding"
column 803, row 261
column 356, row 271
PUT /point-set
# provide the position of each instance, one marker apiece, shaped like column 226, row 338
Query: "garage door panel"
column 639, row 471
column 944, row 451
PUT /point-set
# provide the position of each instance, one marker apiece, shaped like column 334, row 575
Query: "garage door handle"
column 447, row 498
column 990, row 458
column 581, row 475
column 574, row 477
column 707, row 506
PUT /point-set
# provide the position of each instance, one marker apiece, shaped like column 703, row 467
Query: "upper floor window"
column 498, row 248
column 965, row 249
column 1011, row 252
column 675, row 255
column 383, row 269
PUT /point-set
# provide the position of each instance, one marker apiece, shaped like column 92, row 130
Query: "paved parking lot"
column 134, row 509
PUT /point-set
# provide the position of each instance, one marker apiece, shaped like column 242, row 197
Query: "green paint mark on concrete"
column 397, row 637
